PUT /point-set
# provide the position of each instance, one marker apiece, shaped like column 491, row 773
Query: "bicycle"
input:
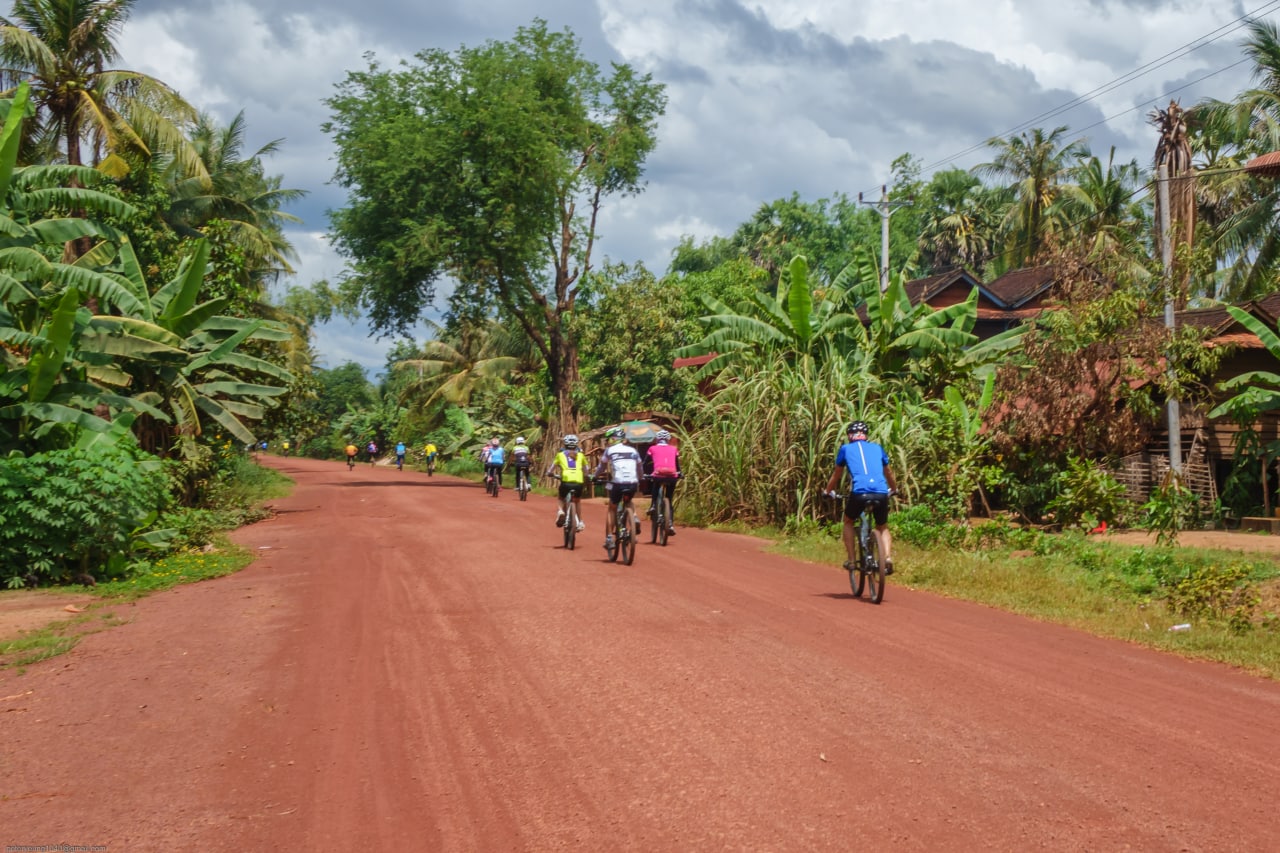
column 400, row 462
column 625, row 528
column 491, row 483
column 351, row 463
column 660, row 517
column 431, row 465
column 868, row 571
column 522, row 483
column 570, row 520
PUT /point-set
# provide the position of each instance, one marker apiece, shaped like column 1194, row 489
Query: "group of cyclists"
column 621, row 468
column 626, row 473
column 371, row 453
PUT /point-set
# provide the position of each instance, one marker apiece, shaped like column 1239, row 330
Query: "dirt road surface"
column 412, row 665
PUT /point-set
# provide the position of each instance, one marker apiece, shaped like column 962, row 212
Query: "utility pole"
column 1166, row 255
column 886, row 210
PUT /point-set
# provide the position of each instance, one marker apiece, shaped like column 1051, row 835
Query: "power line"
column 1210, row 37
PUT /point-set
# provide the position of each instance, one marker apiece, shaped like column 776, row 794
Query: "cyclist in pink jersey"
column 662, row 464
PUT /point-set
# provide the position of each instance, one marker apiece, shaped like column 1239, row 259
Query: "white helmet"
column 663, row 435
column 570, row 440
column 520, row 440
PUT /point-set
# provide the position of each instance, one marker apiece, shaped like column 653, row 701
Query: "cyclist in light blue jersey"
column 495, row 461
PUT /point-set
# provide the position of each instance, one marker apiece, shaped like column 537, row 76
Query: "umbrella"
column 641, row 432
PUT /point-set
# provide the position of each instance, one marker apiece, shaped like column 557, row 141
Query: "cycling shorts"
column 615, row 491
column 567, row 489
column 855, row 502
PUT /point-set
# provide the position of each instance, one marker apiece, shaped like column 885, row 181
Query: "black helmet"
column 858, row 427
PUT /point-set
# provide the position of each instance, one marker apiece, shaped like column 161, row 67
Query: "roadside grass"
column 1105, row 589
column 240, row 501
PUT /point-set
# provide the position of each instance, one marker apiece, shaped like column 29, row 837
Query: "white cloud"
column 767, row 97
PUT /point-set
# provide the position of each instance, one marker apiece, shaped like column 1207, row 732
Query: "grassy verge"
column 1126, row 592
column 239, row 502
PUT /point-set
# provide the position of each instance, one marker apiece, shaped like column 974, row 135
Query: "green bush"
column 1215, row 592
column 1087, row 495
column 67, row 514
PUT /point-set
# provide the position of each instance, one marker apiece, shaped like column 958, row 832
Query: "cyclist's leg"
column 576, row 496
column 610, row 510
column 852, row 509
column 884, row 538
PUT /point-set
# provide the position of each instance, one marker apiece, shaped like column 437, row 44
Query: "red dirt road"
column 412, row 665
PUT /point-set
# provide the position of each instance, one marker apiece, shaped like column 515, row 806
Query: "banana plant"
column 185, row 357
column 792, row 323
column 899, row 332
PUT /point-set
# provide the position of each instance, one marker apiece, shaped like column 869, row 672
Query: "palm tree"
column 237, row 191
column 1100, row 207
column 1173, row 152
column 1036, row 164
column 454, row 368
column 960, row 222
column 1244, row 213
column 64, row 48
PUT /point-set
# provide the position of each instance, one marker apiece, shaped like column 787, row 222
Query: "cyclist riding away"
column 623, row 464
column 494, row 462
column 868, row 467
column 372, row 449
column 430, row 451
column 351, row 453
column 400, row 451
column 569, row 468
column 521, row 458
column 663, row 466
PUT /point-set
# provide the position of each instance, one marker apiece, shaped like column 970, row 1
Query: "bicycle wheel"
column 431, row 467
column 524, row 486
column 655, row 513
column 351, row 463
column 627, row 536
column 857, row 580
column 570, row 526
column 664, row 519
column 874, row 569
column 617, row 538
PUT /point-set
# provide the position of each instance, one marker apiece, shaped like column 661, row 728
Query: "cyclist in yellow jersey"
column 569, row 467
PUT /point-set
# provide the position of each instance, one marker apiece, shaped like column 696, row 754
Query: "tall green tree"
column 490, row 165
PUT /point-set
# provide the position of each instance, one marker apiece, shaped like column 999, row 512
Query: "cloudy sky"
column 767, row 98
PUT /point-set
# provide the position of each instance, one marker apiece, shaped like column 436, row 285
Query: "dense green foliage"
column 67, row 514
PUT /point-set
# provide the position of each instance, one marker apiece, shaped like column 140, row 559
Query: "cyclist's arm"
column 837, row 474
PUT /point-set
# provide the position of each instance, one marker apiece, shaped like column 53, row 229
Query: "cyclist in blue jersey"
column 495, row 461
column 868, row 467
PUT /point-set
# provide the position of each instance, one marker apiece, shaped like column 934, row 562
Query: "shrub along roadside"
column 1127, row 592
column 235, row 497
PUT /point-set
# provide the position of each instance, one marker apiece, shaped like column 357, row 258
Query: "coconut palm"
column 1035, row 164
column 455, row 367
column 237, row 191
column 1101, row 206
column 960, row 223
column 1244, row 212
column 65, row 48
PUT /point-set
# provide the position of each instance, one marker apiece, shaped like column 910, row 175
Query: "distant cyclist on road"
column 494, row 462
column 400, row 451
column 569, row 467
column 521, row 459
column 663, row 466
column 372, row 449
column 430, row 451
column 868, row 467
column 623, row 465
column 351, row 454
